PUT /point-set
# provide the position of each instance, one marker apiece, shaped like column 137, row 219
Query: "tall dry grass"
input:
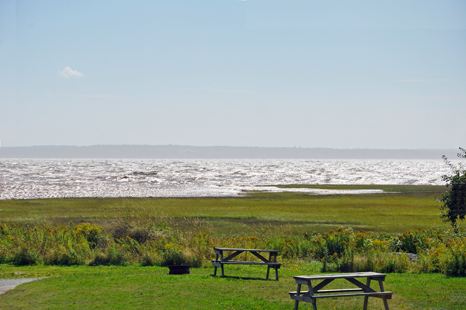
column 155, row 241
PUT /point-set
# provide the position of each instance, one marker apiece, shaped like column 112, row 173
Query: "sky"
column 289, row 73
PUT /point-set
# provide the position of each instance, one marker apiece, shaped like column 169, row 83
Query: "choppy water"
column 47, row 178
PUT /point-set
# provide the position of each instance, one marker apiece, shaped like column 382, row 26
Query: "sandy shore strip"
column 9, row 284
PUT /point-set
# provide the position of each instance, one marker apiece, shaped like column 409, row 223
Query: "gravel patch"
column 9, row 284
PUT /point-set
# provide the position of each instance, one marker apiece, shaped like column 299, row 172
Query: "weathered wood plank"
column 322, row 284
column 341, row 290
column 249, row 250
column 359, row 284
column 331, row 291
column 262, row 258
column 237, row 262
column 387, row 295
column 372, row 275
column 233, row 255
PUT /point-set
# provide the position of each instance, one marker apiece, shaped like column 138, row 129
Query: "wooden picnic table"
column 221, row 260
column 362, row 290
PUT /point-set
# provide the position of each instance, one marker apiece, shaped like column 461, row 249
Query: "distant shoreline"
column 215, row 152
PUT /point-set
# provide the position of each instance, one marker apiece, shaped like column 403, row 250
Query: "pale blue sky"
column 315, row 73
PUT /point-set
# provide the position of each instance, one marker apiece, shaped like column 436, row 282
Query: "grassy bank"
column 243, row 288
column 400, row 209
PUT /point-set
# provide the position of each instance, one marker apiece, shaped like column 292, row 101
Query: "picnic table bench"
column 362, row 290
column 271, row 262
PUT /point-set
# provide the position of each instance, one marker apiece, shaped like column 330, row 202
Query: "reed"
column 256, row 213
column 156, row 243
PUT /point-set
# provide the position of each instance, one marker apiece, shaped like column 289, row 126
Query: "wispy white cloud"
column 91, row 96
column 68, row 72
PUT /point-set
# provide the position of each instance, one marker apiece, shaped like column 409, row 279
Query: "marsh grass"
column 402, row 208
column 154, row 242
column 303, row 227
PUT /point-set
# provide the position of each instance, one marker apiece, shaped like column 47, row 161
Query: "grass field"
column 400, row 209
column 244, row 287
column 256, row 214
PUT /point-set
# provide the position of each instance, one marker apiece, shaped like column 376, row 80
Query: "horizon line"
column 232, row 146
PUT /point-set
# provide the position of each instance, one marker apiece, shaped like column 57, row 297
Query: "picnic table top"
column 342, row 276
column 248, row 250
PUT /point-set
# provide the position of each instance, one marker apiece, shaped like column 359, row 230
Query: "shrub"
column 92, row 233
column 455, row 262
column 112, row 256
column 24, row 257
column 336, row 243
column 454, row 201
column 173, row 254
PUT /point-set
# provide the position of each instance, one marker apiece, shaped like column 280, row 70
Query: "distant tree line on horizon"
column 215, row 152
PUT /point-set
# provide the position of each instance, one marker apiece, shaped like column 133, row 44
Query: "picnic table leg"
column 385, row 302
column 366, row 298
column 274, row 260
column 215, row 267
column 312, row 292
column 296, row 302
column 221, row 257
column 268, row 266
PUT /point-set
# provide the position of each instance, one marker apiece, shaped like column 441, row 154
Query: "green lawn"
column 244, row 287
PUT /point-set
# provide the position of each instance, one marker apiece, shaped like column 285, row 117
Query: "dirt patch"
column 9, row 284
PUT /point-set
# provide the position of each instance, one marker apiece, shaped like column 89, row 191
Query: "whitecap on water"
column 48, row 178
